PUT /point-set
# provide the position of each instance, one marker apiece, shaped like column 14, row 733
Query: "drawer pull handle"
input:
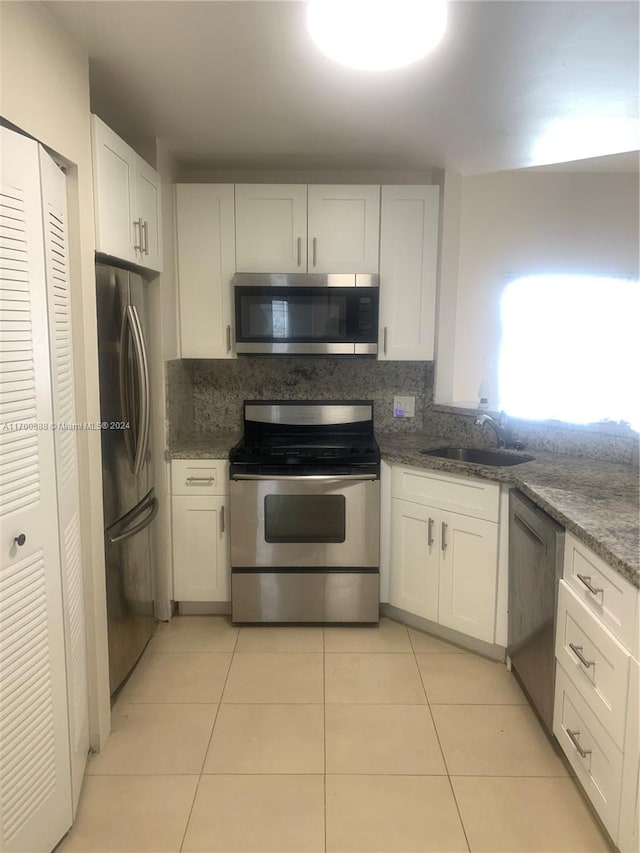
column 577, row 650
column 586, row 580
column 430, row 533
column 573, row 737
column 191, row 480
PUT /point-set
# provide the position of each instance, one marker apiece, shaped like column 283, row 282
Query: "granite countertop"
column 211, row 445
column 597, row 501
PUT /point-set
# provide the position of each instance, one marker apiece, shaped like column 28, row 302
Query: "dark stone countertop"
column 599, row 502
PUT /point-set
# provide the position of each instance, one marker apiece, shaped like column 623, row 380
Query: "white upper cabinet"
column 408, row 269
column 147, row 196
column 127, row 201
column 205, row 267
column 271, row 227
column 343, row 229
column 294, row 228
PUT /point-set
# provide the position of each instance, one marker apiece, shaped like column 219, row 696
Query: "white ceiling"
column 239, row 84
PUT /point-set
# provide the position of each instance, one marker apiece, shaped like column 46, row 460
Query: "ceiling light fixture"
column 376, row 35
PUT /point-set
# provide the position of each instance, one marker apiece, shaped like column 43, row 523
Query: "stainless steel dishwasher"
column 536, row 548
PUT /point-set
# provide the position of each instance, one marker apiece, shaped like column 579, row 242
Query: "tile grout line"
column 206, row 752
column 444, row 760
column 324, row 731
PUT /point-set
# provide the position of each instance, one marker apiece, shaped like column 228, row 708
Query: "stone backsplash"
column 217, row 388
column 598, row 441
column 205, row 396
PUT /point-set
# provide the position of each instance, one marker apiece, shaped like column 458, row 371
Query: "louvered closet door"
column 54, row 212
column 35, row 787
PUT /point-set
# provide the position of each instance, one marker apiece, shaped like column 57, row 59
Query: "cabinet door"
column 408, row 267
column 343, row 229
column 206, row 263
column 271, row 228
column 415, row 562
column 148, row 214
column 200, row 549
column 114, row 170
column 35, row 783
column 54, row 210
column 468, row 574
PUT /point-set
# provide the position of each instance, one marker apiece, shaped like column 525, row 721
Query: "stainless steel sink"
column 495, row 458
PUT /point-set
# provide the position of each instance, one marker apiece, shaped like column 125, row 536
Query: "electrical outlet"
column 404, row 407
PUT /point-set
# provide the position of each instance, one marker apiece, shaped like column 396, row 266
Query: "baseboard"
column 488, row 650
column 204, row 608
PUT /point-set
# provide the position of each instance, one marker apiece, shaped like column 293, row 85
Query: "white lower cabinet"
column 468, row 575
column 593, row 755
column 443, row 563
column 629, row 828
column 200, row 531
column 596, row 716
column 415, row 573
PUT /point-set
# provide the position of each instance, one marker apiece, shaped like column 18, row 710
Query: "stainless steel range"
column 305, row 513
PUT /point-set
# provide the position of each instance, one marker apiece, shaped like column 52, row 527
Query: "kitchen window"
column 571, row 349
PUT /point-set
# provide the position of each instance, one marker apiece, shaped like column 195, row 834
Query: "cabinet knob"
column 20, row 540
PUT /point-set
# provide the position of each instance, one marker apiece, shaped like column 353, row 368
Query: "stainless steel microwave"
column 306, row 314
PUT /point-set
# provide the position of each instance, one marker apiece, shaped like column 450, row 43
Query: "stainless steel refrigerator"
column 130, row 504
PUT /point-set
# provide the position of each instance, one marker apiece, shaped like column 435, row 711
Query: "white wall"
column 517, row 223
column 162, row 301
column 45, row 92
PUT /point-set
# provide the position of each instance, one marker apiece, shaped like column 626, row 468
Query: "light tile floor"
column 346, row 740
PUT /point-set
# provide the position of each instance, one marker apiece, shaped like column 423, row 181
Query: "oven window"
column 304, row 518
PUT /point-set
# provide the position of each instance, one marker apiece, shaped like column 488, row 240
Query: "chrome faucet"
column 500, row 428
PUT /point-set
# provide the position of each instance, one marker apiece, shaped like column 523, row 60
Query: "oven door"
column 305, row 522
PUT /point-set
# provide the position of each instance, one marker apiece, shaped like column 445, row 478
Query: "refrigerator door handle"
column 126, row 382
column 143, row 373
column 148, row 502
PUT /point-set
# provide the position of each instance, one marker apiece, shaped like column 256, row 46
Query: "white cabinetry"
column 343, row 229
column 127, row 201
column 271, row 228
column 596, row 698
column 200, row 539
column 294, row 228
column 408, row 269
column 444, row 550
column 205, row 267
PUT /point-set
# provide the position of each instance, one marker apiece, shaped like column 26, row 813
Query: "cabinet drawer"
column 603, row 680
column 466, row 496
column 599, row 767
column 613, row 599
column 199, row 477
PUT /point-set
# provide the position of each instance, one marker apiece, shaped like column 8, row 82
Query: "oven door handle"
column 325, row 478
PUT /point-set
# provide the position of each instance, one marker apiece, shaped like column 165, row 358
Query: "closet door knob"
column 20, row 540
